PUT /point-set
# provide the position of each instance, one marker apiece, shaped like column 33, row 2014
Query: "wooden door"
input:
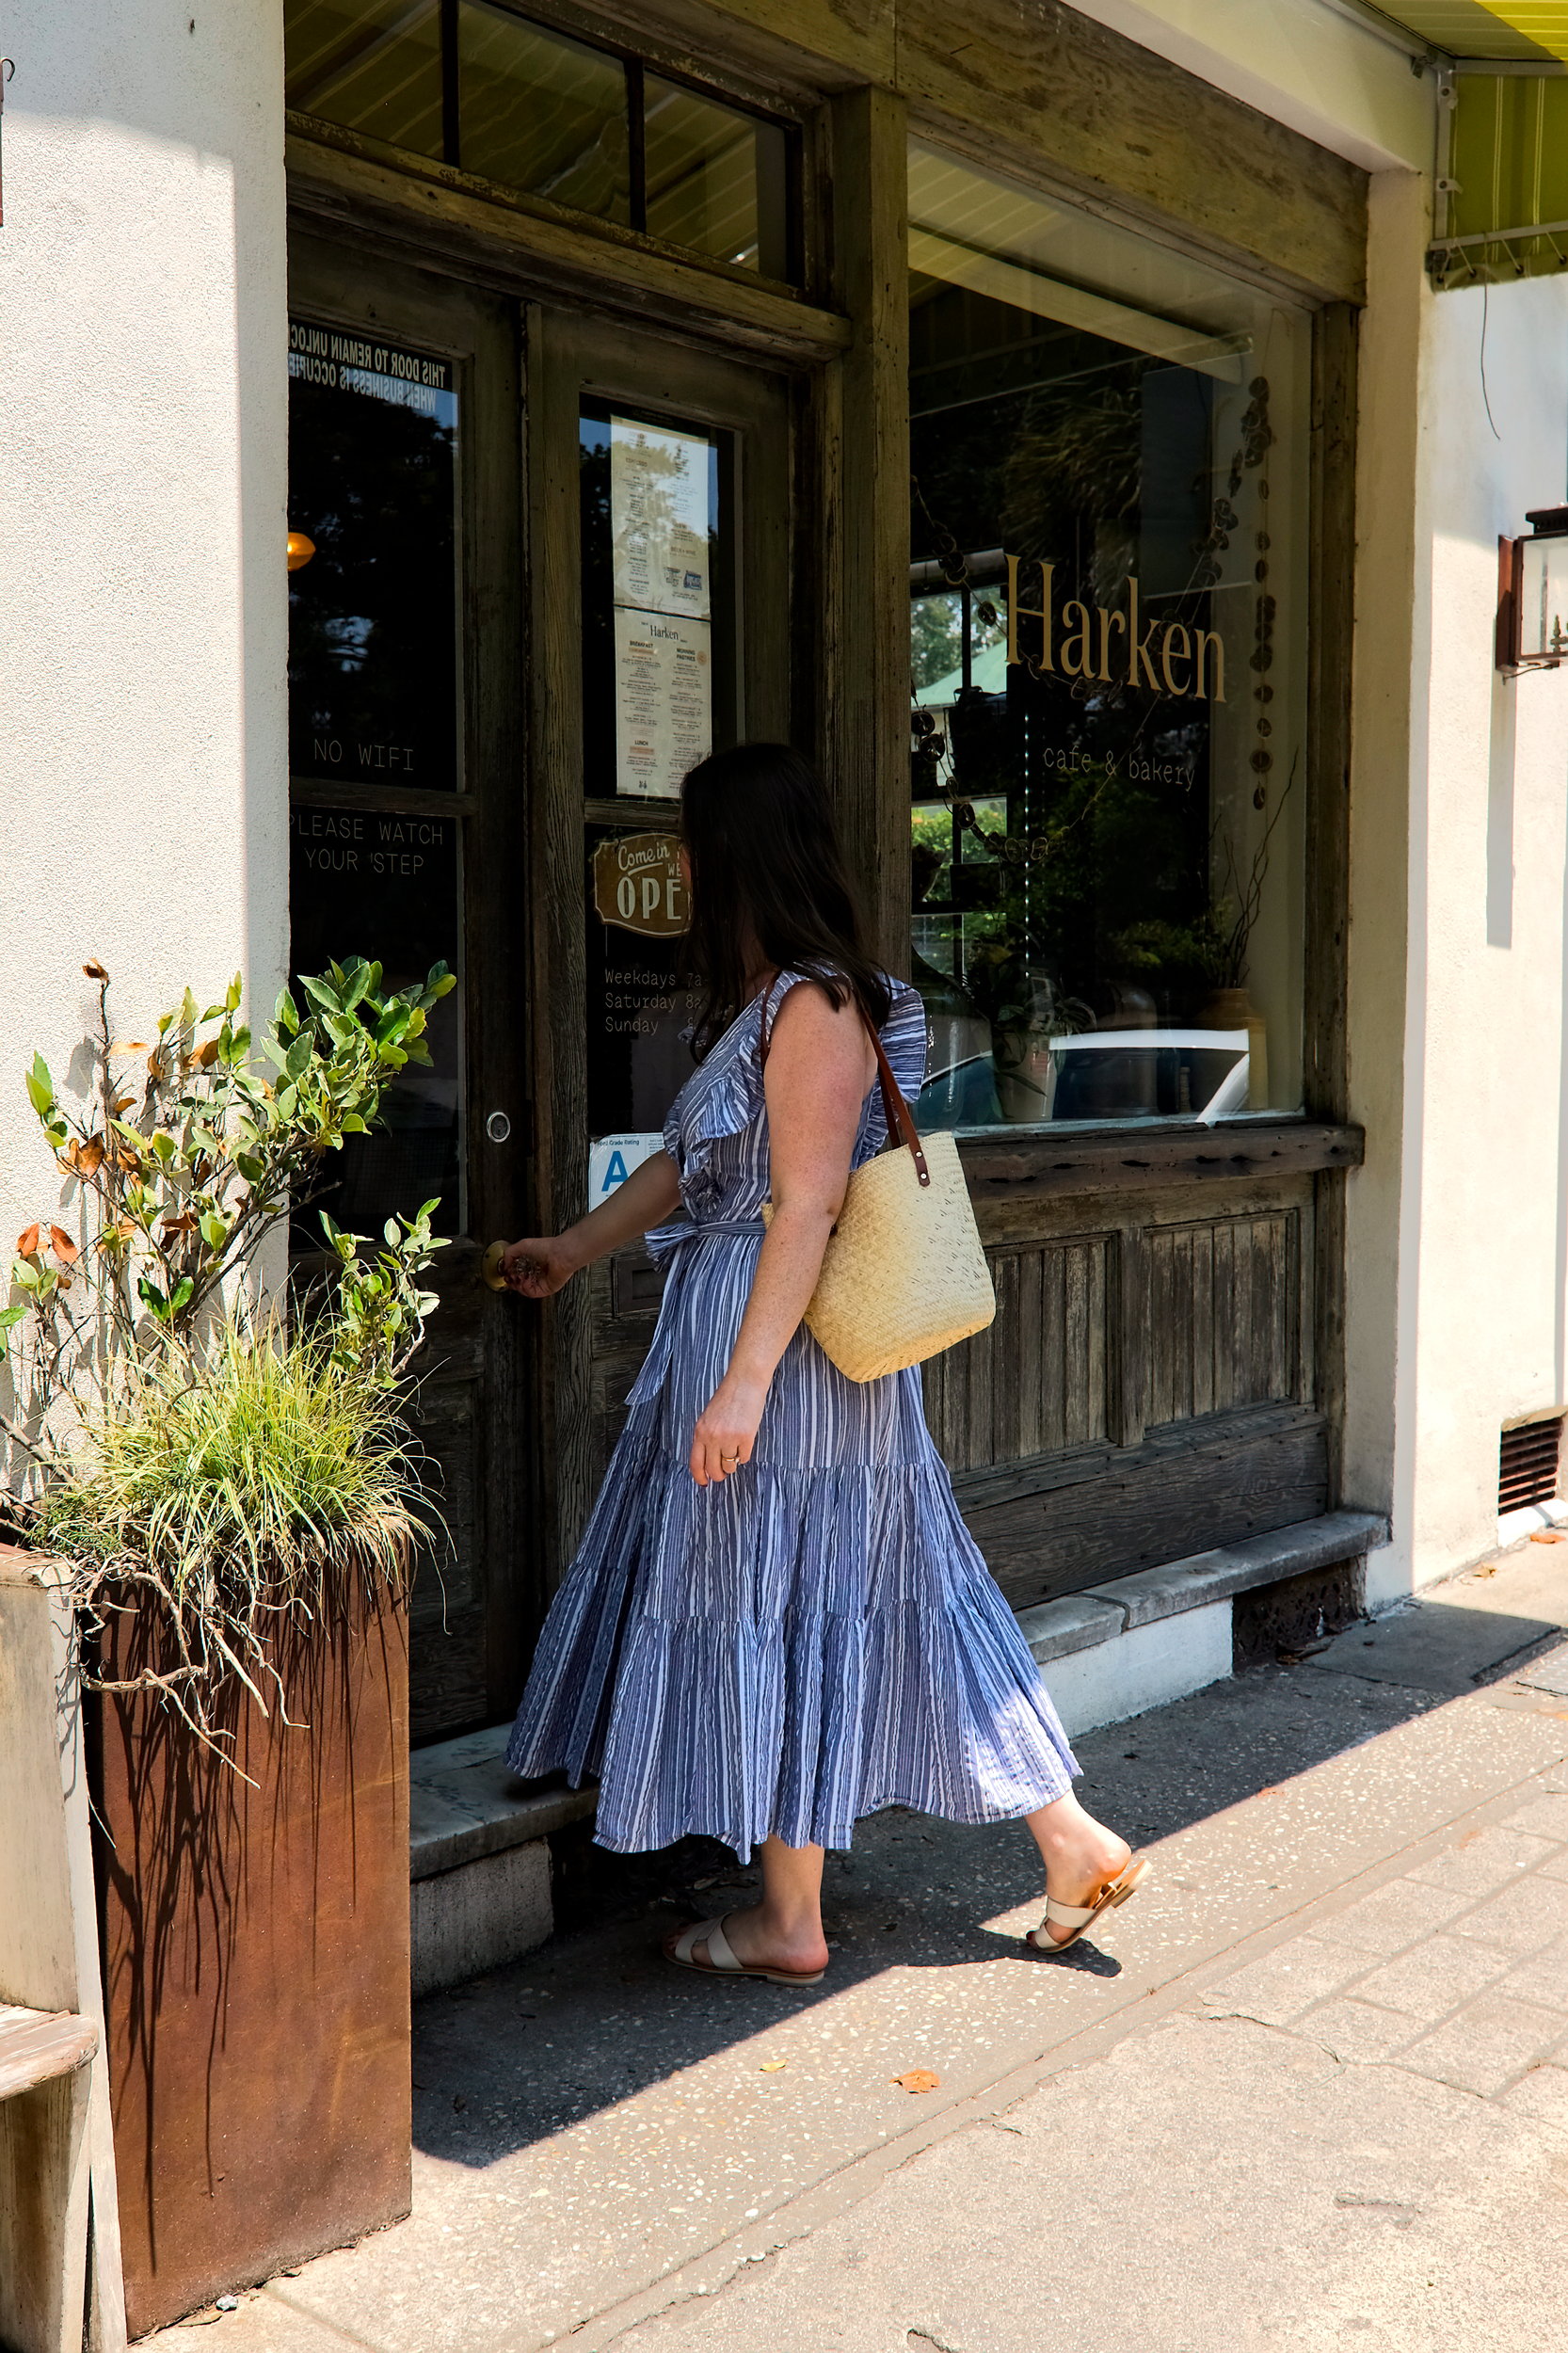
column 613, row 413
column 409, row 845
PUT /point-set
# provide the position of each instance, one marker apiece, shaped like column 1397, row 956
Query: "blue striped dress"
column 815, row 1637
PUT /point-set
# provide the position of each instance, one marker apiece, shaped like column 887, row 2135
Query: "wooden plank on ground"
column 35, row 2045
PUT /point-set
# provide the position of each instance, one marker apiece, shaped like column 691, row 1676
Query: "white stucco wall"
column 1388, row 751
column 1487, row 1143
column 1457, row 1309
column 143, row 785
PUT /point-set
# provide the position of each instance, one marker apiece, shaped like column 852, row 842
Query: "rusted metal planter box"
column 256, row 1968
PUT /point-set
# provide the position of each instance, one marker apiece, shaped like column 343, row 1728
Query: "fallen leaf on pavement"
column 771, row 2067
column 917, row 2079
column 1546, row 1536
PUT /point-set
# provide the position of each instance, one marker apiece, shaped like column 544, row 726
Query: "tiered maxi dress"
column 815, row 1637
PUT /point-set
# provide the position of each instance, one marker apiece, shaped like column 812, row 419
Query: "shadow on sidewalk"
column 595, row 2015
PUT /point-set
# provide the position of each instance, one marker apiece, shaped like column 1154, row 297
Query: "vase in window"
column 960, row 1085
column 1232, row 1008
column 1021, row 1054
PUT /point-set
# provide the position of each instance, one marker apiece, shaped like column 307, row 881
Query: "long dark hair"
column 767, row 869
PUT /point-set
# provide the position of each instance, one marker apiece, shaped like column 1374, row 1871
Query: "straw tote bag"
column 903, row 1275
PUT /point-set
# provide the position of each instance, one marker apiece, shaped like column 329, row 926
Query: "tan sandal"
column 722, row 1960
column 1077, row 1916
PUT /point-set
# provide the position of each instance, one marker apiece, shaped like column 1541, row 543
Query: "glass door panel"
column 662, row 580
column 374, row 703
column 390, row 881
column 373, row 561
column 659, row 687
column 660, row 693
column 406, row 836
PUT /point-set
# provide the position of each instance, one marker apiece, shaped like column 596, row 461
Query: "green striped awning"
column 1502, row 173
column 1506, row 213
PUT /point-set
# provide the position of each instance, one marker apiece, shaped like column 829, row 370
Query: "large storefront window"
column 1108, row 667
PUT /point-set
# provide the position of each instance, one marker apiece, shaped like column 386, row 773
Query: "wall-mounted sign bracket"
column 1494, row 254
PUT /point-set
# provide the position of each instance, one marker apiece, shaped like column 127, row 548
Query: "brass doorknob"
column 490, row 1268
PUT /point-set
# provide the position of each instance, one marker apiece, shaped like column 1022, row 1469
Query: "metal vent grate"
column 1527, row 1463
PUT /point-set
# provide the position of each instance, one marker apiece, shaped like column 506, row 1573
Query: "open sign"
column 639, row 885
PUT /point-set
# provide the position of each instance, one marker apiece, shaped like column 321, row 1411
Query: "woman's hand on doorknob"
column 537, row 1266
column 540, row 1265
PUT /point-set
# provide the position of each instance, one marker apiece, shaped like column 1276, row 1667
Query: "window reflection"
column 1107, row 668
column 543, row 113
column 716, row 178
column 383, row 884
column 373, row 610
column 538, row 111
column 373, row 706
column 371, row 65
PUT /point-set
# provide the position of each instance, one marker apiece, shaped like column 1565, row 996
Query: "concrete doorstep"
column 1314, row 2080
column 479, row 1853
column 1136, row 1643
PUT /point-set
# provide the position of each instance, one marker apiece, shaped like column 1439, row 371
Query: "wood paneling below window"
column 1149, row 1388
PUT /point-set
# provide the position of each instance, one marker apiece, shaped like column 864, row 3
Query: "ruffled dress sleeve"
column 722, row 1098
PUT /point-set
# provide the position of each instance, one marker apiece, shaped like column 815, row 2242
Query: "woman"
column 777, row 1621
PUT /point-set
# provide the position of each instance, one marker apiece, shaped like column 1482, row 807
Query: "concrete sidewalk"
column 1310, row 2089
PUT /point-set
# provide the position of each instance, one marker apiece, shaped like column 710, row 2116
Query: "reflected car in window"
column 1102, row 1075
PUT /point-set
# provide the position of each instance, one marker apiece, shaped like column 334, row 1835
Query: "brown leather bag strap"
column 901, row 1120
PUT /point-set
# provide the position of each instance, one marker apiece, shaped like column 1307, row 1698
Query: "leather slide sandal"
column 722, row 1961
column 1077, row 1916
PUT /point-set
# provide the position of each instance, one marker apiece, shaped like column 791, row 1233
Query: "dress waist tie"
column 663, row 1241
column 666, row 1246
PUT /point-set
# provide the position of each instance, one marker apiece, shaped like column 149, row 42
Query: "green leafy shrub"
column 216, row 1463
column 187, row 1158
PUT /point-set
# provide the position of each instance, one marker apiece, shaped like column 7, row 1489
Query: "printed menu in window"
column 659, row 502
column 663, row 701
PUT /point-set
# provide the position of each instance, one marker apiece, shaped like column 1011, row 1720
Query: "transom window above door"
column 474, row 83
